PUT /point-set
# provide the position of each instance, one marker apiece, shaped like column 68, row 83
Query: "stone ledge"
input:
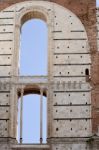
column 30, row 146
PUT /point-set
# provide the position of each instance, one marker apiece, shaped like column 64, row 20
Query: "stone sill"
column 30, row 146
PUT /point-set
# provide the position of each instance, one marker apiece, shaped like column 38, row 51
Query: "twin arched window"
column 33, row 62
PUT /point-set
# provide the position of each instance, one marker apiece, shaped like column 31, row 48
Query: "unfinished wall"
column 73, row 97
column 69, row 92
column 86, row 11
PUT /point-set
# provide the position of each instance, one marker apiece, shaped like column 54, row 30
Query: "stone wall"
column 73, row 98
column 86, row 11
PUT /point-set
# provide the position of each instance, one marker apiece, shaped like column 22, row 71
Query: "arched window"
column 33, row 48
column 32, row 109
column 31, row 119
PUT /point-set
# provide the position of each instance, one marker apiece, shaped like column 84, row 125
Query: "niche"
column 87, row 74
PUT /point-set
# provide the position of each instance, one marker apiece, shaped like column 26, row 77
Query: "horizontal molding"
column 56, row 31
column 5, row 54
column 7, row 18
column 82, row 39
column 1, row 77
column 77, row 31
column 4, row 91
column 70, row 91
column 6, row 40
column 5, row 119
column 6, row 65
column 4, row 11
column 4, row 105
column 71, row 105
column 72, row 119
column 71, row 53
column 72, row 137
column 69, row 64
column 69, row 76
column 6, row 32
column 6, row 24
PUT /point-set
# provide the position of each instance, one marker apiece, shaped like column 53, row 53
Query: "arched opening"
column 34, row 119
column 33, row 48
column 32, row 105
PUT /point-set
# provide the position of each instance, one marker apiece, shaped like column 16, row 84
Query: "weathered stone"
column 73, row 73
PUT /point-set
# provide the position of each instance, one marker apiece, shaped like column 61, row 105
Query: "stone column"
column 21, row 115
column 41, row 116
column 46, row 115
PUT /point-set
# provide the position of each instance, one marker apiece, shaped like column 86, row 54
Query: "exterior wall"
column 86, row 11
column 71, row 94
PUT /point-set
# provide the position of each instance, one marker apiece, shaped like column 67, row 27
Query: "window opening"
column 33, row 45
column 33, row 128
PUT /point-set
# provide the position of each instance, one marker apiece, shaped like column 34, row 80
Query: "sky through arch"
column 33, row 61
column 34, row 44
column 97, row 3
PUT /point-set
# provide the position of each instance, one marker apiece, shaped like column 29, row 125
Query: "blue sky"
column 33, row 58
column 97, row 2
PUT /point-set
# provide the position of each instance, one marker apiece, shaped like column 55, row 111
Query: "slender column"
column 21, row 115
column 46, row 115
column 41, row 116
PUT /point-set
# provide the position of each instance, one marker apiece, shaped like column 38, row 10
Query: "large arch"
column 69, row 105
column 26, row 15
